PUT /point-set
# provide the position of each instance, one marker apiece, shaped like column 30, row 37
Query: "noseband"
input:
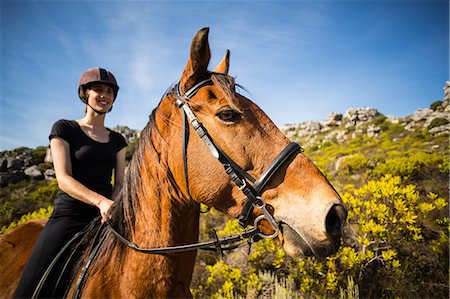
column 240, row 177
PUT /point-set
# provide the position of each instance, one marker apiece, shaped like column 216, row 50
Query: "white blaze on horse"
column 204, row 143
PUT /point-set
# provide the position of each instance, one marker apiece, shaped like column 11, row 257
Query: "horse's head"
column 309, row 211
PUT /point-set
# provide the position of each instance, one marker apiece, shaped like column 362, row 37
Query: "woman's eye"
column 229, row 116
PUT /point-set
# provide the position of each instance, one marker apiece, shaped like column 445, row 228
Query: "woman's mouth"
column 103, row 103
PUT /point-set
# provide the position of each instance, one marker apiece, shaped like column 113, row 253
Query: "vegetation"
column 395, row 186
column 437, row 122
column 435, row 105
column 23, row 198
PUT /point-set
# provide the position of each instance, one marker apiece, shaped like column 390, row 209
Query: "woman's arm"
column 119, row 171
column 63, row 170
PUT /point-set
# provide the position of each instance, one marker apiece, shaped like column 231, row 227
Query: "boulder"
column 48, row 157
column 49, row 174
column 3, row 165
column 34, row 173
column 16, row 176
column 14, row 163
column 373, row 131
column 447, row 91
column 440, row 130
column 334, row 119
column 422, row 114
column 356, row 116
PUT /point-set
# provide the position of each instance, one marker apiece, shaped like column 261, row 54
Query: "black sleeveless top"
column 92, row 165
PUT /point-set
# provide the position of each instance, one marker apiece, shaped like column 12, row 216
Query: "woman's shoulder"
column 119, row 139
column 65, row 123
column 63, row 128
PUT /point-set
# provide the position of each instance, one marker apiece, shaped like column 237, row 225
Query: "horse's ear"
column 224, row 65
column 197, row 64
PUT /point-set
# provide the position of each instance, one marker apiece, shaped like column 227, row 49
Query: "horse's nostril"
column 335, row 220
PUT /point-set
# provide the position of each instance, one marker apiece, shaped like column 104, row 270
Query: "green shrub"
column 39, row 154
column 408, row 164
column 354, row 163
column 42, row 213
column 378, row 120
column 437, row 122
column 435, row 105
column 23, row 198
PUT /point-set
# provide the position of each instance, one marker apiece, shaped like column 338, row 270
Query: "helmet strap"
column 99, row 112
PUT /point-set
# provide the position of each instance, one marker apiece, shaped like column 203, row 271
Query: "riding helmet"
column 96, row 75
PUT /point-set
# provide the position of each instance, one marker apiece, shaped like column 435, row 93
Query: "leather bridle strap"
column 288, row 152
column 236, row 173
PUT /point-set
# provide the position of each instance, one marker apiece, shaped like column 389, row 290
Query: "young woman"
column 85, row 156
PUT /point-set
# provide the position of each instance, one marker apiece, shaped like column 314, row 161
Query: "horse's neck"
column 164, row 219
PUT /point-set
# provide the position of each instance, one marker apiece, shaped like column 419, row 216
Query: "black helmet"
column 96, row 75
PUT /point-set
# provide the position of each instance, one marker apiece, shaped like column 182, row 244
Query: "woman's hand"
column 104, row 206
column 63, row 169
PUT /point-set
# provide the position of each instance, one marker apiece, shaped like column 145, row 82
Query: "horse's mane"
column 128, row 201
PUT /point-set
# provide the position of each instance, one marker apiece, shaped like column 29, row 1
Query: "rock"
column 4, row 180
column 16, row 176
column 357, row 116
column 337, row 163
column 356, row 177
column 48, row 156
column 341, row 135
column 334, row 119
column 49, row 174
column 392, row 119
column 435, row 114
column 421, row 114
column 34, row 173
column 3, row 165
column 127, row 133
column 410, row 126
column 309, row 128
column 373, row 131
column 440, row 130
column 14, row 164
column 447, row 91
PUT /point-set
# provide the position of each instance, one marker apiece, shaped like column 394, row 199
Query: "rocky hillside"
column 392, row 174
column 26, row 164
column 27, row 179
column 355, row 122
column 24, row 170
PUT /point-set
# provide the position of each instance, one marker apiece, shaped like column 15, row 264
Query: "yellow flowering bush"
column 42, row 213
column 395, row 246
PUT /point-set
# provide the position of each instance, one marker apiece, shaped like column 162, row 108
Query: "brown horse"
column 155, row 209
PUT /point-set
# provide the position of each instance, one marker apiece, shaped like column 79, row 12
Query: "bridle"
column 252, row 188
column 239, row 176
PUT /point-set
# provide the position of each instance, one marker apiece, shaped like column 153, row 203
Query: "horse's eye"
column 229, row 116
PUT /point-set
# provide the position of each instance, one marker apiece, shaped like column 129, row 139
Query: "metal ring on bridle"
column 263, row 217
column 266, row 216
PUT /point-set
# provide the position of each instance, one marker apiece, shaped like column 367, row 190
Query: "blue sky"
column 299, row 60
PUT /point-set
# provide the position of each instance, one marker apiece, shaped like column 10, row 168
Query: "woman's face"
column 100, row 96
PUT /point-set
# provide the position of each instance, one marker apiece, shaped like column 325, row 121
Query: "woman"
column 85, row 154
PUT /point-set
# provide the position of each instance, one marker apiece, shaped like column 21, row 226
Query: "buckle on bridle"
column 244, row 184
